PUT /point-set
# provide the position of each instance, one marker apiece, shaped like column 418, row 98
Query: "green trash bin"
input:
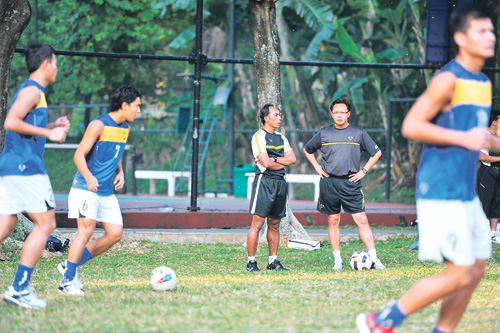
column 240, row 180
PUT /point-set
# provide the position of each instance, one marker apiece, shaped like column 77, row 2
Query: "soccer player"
column 451, row 118
column 91, row 198
column 24, row 181
column 340, row 186
column 488, row 180
column 272, row 154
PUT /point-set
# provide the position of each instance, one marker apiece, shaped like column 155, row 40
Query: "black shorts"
column 338, row 192
column 268, row 197
column 488, row 190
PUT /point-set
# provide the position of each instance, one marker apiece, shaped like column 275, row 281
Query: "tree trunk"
column 268, row 83
column 14, row 17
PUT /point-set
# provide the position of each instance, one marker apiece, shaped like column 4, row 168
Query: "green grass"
column 214, row 294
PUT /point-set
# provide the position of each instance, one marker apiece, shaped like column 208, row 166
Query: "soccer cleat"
column 252, row 266
column 366, row 324
column 495, row 239
column 62, row 269
column 70, row 288
column 25, row 298
column 377, row 264
column 276, row 266
column 338, row 265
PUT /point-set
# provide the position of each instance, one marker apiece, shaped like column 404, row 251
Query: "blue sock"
column 23, row 277
column 86, row 256
column 437, row 330
column 70, row 271
column 391, row 315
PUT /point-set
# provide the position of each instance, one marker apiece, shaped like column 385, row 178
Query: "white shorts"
column 452, row 230
column 88, row 204
column 32, row 194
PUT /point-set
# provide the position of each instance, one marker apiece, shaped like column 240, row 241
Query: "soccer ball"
column 162, row 278
column 360, row 261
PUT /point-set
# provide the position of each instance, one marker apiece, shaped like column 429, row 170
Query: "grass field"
column 214, row 294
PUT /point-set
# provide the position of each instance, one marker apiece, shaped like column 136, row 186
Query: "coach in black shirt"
column 340, row 186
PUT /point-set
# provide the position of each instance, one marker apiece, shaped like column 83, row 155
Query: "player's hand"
column 92, row 183
column 119, row 181
column 476, row 139
column 321, row 172
column 57, row 134
column 63, row 122
column 356, row 177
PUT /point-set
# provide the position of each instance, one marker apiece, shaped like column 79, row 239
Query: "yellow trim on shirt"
column 43, row 102
column 340, row 143
column 275, row 147
column 114, row 134
column 257, row 141
column 472, row 92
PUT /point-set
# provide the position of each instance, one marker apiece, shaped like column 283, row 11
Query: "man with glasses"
column 340, row 186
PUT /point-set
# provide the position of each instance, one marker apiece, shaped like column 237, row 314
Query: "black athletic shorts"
column 268, row 197
column 488, row 190
column 339, row 192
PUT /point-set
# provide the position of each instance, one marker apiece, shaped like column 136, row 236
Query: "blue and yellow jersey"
column 103, row 158
column 22, row 155
column 448, row 172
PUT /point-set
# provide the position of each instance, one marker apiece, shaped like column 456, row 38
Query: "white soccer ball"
column 360, row 261
column 162, row 279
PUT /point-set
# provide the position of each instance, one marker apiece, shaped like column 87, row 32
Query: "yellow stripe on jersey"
column 275, row 147
column 472, row 92
column 43, row 102
column 340, row 143
column 114, row 134
column 257, row 141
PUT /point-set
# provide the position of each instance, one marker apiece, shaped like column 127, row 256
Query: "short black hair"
column 123, row 94
column 494, row 114
column 36, row 54
column 341, row 101
column 264, row 112
column 460, row 17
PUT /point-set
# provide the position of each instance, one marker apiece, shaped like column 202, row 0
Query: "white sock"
column 272, row 258
column 373, row 254
column 493, row 233
column 251, row 259
column 336, row 255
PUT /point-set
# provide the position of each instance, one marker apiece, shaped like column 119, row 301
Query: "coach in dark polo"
column 340, row 186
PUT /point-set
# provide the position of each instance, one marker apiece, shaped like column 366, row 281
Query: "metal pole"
column 36, row 21
column 230, row 107
column 196, row 105
column 388, row 158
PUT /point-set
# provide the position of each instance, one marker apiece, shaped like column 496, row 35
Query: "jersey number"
column 117, row 151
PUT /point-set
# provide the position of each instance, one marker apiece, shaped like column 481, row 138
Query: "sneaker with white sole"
column 338, row 265
column 69, row 288
column 25, row 298
column 377, row 264
column 63, row 266
column 495, row 239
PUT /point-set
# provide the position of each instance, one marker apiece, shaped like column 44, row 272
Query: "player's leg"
column 252, row 242
column 7, row 224
column 273, row 240
column 334, row 238
column 112, row 235
column 366, row 235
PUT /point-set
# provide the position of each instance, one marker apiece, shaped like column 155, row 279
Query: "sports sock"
column 23, row 277
column 272, row 258
column 251, row 259
column 493, row 233
column 86, row 256
column 373, row 254
column 336, row 255
column 437, row 330
column 391, row 315
column 70, row 271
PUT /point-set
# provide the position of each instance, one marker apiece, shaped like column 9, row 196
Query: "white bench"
column 170, row 176
column 291, row 178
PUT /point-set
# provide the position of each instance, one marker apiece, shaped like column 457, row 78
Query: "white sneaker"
column 25, row 298
column 70, row 288
column 495, row 239
column 63, row 266
column 377, row 264
column 338, row 265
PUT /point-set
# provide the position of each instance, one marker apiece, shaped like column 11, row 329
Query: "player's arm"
column 417, row 124
column 312, row 159
column 487, row 158
column 60, row 122
column 120, row 177
column 27, row 99
column 92, row 134
column 288, row 159
column 369, row 164
column 268, row 162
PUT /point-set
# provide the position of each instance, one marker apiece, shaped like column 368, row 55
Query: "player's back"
column 448, row 172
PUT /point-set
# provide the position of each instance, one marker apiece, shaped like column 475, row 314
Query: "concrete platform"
column 157, row 212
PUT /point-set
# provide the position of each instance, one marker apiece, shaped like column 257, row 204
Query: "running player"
column 451, row 118
column 24, row 181
column 91, row 198
column 272, row 154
